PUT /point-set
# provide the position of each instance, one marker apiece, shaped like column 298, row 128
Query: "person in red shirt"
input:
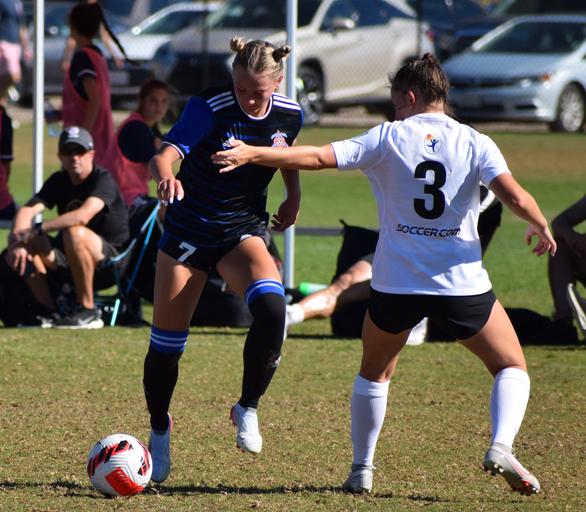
column 137, row 140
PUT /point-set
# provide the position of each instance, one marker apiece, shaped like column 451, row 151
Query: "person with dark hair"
column 137, row 140
column 219, row 221
column 70, row 45
column 568, row 266
column 92, row 226
column 425, row 169
column 86, row 87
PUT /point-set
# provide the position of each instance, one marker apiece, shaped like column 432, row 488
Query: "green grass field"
column 62, row 391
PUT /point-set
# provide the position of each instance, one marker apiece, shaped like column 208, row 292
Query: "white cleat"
column 248, row 438
column 501, row 460
column 160, row 448
column 359, row 480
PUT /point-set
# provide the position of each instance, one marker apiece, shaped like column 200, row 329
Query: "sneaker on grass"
column 248, row 438
column 359, row 480
column 80, row 318
column 160, row 448
column 501, row 460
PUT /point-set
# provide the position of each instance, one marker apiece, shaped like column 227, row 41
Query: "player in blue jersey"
column 220, row 220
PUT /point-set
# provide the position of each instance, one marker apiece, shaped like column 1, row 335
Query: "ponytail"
column 86, row 19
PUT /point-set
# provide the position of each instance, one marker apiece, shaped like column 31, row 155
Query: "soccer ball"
column 119, row 465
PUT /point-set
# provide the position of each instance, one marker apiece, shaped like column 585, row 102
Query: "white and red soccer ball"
column 119, row 465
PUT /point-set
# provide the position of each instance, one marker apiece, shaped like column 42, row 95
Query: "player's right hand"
column 169, row 190
column 545, row 242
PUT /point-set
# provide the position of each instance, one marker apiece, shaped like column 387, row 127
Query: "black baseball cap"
column 76, row 135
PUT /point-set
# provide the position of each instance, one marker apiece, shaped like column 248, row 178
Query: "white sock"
column 295, row 313
column 368, row 407
column 508, row 401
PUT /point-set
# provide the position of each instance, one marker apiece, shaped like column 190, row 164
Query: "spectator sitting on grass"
column 568, row 265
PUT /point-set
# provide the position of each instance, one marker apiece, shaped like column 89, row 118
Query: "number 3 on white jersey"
column 189, row 250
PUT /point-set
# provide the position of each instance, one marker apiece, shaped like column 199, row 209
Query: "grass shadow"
column 73, row 488
column 255, row 491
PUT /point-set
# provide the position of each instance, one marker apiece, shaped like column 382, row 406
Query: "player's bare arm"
column 161, row 166
column 310, row 158
column 524, row 206
column 288, row 211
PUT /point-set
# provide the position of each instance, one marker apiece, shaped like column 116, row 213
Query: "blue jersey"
column 219, row 208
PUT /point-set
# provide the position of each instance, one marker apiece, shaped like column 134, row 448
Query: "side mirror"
column 342, row 24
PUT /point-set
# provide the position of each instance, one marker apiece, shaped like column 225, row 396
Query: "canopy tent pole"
column 289, row 260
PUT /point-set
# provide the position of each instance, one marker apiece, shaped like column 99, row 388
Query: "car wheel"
column 310, row 94
column 571, row 113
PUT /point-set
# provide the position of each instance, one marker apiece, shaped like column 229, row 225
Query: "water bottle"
column 52, row 118
column 306, row 288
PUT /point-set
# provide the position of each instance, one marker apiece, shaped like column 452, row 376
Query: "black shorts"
column 201, row 258
column 460, row 316
column 108, row 249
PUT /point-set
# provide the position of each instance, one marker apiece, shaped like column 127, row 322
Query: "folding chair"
column 118, row 265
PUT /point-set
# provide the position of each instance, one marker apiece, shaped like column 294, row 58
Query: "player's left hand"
column 545, row 243
column 286, row 215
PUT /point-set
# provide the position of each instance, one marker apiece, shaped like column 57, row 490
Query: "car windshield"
column 537, row 37
column 171, row 23
column 516, row 7
column 259, row 14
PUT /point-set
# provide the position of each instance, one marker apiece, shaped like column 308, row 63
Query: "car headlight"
column 528, row 81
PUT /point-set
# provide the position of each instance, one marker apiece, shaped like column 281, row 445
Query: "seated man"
column 569, row 265
column 92, row 226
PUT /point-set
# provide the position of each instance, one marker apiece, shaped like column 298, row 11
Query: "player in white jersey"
column 425, row 169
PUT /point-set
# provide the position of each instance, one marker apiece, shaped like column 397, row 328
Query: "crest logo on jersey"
column 227, row 144
column 432, row 144
column 279, row 140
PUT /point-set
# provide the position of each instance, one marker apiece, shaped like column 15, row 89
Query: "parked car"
column 143, row 40
column 446, row 17
column 345, row 49
column 531, row 68
column 132, row 12
column 507, row 9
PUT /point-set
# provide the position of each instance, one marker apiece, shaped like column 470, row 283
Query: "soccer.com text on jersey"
column 426, row 231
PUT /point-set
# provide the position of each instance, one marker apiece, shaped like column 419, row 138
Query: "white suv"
column 345, row 49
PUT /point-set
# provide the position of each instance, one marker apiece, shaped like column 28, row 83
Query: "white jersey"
column 425, row 174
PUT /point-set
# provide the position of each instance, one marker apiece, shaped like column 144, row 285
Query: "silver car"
column 531, row 68
column 345, row 49
column 142, row 41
